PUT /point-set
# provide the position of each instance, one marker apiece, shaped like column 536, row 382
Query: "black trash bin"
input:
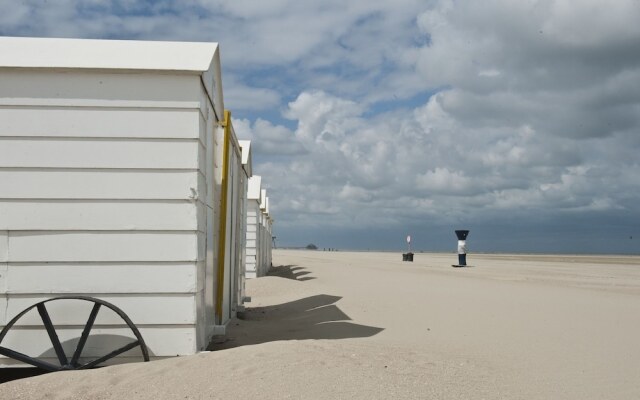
column 407, row 257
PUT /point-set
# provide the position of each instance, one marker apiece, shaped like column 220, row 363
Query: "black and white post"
column 462, row 247
column 408, row 256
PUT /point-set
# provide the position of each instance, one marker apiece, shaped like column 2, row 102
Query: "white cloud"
column 537, row 110
column 489, row 73
column 268, row 139
column 442, row 180
column 355, row 194
column 323, row 119
column 437, row 166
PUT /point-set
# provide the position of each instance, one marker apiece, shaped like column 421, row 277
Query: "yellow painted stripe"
column 222, row 234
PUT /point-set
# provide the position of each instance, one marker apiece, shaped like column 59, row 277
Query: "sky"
column 371, row 120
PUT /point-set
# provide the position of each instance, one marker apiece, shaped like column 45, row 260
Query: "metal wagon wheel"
column 65, row 363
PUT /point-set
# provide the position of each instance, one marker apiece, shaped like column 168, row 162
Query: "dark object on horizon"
column 408, row 256
column 462, row 247
column 311, row 246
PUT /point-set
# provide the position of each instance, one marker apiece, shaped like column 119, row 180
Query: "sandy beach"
column 348, row 325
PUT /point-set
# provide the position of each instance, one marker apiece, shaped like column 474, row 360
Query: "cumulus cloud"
column 471, row 152
column 344, row 47
column 441, row 180
column 558, row 65
column 410, row 111
column 268, row 139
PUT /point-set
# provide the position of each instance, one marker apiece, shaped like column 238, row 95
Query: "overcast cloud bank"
column 373, row 119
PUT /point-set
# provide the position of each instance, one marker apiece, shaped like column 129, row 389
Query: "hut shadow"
column 97, row 346
column 315, row 317
column 293, row 272
column 104, row 343
column 13, row 373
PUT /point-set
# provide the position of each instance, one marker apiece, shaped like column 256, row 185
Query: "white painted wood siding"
column 253, row 236
column 49, row 88
column 252, row 247
column 104, row 191
column 101, row 246
column 94, row 279
column 247, row 173
column 63, row 215
column 108, row 184
column 103, row 122
column 96, row 153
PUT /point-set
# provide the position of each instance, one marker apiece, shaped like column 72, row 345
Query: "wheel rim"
column 65, row 363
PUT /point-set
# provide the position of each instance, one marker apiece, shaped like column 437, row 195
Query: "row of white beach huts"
column 123, row 189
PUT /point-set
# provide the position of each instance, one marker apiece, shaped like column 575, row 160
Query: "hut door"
column 232, row 233
column 229, row 257
column 236, row 240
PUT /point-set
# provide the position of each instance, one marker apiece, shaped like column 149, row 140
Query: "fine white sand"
column 334, row 325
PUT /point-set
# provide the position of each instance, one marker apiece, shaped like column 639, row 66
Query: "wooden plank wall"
column 103, row 192
column 253, row 210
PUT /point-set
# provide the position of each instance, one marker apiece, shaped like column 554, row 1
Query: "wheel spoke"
column 28, row 360
column 52, row 334
column 110, row 355
column 55, row 340
column 85, row 334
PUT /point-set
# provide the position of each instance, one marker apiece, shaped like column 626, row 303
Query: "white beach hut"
column 113, row 182
column 266, row 241
column 247, row 166
column 253, row 226
column 259, row 225
column 264, row 234
column 230, row 283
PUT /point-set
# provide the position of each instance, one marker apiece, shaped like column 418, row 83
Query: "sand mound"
column 277, row 370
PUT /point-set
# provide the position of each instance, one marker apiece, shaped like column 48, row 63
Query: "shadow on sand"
column 290, row 272
column 99, row 344
column 315, row 317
